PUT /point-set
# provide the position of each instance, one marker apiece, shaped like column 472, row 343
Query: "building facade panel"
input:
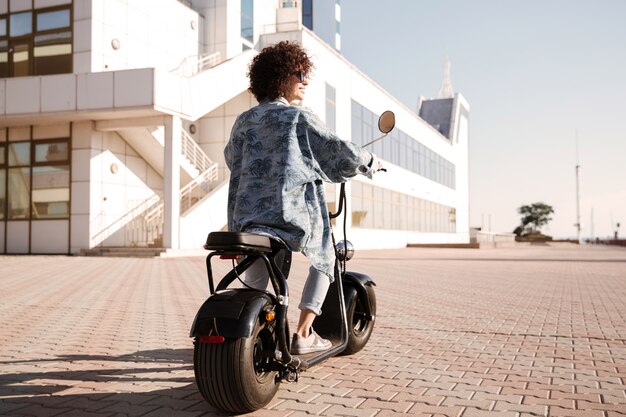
column 86, row 142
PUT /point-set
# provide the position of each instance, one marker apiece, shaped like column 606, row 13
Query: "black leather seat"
column 238, row 241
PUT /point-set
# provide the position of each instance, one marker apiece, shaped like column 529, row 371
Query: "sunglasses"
column 301, row 75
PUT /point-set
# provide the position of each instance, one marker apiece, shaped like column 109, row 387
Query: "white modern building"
column 114, row 115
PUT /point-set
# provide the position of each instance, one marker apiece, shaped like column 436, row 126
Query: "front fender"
column 358, row 281
column 328, row 324
column 230, row 313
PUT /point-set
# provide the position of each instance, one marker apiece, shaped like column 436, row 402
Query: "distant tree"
column 534, row 216
column 519, row 230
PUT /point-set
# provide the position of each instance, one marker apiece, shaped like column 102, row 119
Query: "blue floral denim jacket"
column 278, row 156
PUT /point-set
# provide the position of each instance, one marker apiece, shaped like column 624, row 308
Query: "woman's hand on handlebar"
column 377, row 164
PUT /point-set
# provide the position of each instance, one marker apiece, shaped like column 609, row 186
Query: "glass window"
column 2, row 157
column 401, row 149
column 51, row 152
column 3, row 192
column 356, row 198
column 247, row 20
column 307, row 13
column 56, row 19
column 21, row 24
column 330, row 107
column 41, row 42
column 21, row 59
column 19, row 193
column 53, row 53
column 19, row 153
column 51, row 192
column 387, row 209
column 4, row 59
column 367, row 218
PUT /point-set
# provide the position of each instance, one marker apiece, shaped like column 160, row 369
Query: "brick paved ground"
column 491, row 332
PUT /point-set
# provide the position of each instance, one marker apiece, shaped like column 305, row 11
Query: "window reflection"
column 377, row 208
column 39, row 41
column 21, row 60
column 51, row 152
column 37, row 186
column 247, row 20
column 53, row 20
column 330, row 107
column 3, row 192
column 52, row 53
column 51, row 192
column 19, row 153
column 4, row 59
column 18, row 193
column 21, row 24
column 401, row 149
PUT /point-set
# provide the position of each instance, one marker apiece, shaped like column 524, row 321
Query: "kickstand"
column 290, row 375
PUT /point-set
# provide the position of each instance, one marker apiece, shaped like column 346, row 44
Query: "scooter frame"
column 233, row 312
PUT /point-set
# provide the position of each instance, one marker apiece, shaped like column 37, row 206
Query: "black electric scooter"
column 241, row 335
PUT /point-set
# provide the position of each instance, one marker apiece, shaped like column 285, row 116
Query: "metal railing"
column 194, row 153
column 198, row 188
column 125, row 221
column 195, row 64
column 494, row 237
column 146, row 228
column 143, row 223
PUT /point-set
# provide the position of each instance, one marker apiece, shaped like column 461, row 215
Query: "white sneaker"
column 312, row 343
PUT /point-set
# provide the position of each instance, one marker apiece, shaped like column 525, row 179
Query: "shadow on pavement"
column 142, row 383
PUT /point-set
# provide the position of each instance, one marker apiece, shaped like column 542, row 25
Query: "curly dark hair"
column 270, row 70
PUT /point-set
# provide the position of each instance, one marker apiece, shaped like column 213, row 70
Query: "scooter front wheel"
column 360, row 326
column 235, row 376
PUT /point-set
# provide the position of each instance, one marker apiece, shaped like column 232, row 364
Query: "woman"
column 279, row 155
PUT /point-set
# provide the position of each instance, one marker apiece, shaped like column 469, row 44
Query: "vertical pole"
column 577, row 193
column 171, row 183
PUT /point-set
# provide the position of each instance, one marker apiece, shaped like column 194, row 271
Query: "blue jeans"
column 313, row 293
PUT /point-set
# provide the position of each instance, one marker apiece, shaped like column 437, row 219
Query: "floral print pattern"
column 279, row 155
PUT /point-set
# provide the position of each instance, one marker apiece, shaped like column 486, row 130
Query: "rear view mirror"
column 386, row 121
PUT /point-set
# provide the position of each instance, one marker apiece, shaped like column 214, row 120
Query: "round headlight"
column 345, row 250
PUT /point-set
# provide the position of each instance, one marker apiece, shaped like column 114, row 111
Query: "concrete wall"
column 119, row 34
column 108, row 179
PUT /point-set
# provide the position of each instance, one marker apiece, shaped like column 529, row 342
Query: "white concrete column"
column 171, row 183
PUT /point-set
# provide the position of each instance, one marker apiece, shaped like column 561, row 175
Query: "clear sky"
column 538, row 74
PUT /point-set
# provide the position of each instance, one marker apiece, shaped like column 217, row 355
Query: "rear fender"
column 230, row 313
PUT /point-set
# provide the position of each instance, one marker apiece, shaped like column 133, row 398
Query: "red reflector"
column 212, row 339
column 230, row 256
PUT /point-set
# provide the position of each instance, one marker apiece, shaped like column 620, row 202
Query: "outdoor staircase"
column 143, row 223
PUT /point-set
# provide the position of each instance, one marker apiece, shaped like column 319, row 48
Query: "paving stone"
column 463, row 333
column 339, row 410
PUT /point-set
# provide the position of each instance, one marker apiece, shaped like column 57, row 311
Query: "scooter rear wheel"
column 235, row 376
column 360, row 326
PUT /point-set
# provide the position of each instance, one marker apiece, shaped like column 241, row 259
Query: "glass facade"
column 36, row 42
column 401, row 149
column 307, row 13
column 247, row 23
column 331, row 107
column 378, row 208
column 35, row 179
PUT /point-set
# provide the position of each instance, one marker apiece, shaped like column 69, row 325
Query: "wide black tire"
column 359, row 326
column 233, row 376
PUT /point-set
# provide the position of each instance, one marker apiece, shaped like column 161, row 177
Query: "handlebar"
column 342, row 197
